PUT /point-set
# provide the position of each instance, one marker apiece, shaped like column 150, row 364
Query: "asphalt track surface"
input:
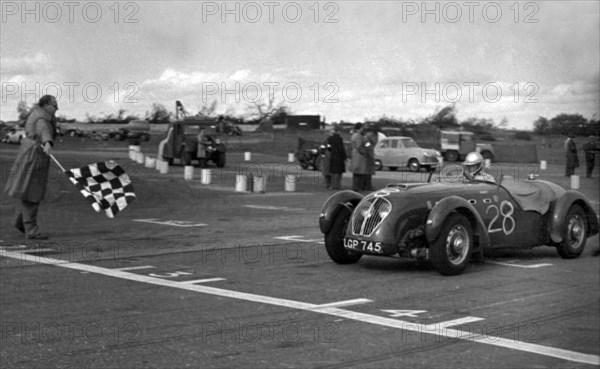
column 194, row 275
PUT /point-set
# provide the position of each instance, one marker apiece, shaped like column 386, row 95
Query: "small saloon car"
column 450, row 221
column 403, row 152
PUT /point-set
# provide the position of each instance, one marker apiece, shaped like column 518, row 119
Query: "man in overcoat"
column 337, row 157
column 29, row 174
column 571, row 156
column 360, row 161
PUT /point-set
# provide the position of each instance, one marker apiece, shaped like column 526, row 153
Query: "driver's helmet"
column 473, row 164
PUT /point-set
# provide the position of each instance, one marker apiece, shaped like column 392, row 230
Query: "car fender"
column 557, row 226
column 443, row 208
column 334, row 204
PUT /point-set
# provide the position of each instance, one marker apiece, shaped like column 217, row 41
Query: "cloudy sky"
column 345, row 60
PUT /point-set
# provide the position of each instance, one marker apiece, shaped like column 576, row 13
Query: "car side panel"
column 506, row 224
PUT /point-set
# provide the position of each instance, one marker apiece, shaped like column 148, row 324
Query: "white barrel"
column 188, row 172
column 150, row 162
column 290, row 183
column 140, row 157
column 241, row 183
column 164, row 166
column 574, row 182
column 247, row 156
column 206, row 176
column 133, row 150
column 260, row 184
column 543, row 165
column 291, row 157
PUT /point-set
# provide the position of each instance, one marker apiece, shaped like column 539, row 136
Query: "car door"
column 506, row 224
column 382, row 151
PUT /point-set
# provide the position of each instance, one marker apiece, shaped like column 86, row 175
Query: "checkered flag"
column 106, row 186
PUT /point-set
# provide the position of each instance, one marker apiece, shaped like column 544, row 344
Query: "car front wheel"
column 575, row 234
column 334, row 240
column 451, row 251
column 414, row 165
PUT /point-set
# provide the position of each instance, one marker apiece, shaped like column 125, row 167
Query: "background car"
column 403, row 152
column 446, row 223
column 14, row 135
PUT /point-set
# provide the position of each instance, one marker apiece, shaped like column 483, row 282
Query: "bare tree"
column 267, row 113
column 208, row 111
column 23, row 110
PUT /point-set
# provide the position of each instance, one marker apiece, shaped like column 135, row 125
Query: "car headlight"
column 383, row 213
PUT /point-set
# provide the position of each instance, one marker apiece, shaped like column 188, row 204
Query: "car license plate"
column 360, row 245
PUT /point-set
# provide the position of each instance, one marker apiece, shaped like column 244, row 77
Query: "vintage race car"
column 449, row 222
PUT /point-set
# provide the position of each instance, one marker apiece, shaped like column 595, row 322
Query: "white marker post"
column 260, row 184
column 290, row 183
column 574, row 182
column 188, row 172
column 247, row 156
column 206, row 176
column 241, row 183
column 543, row 165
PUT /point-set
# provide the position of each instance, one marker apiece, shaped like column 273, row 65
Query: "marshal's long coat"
column 29, row 174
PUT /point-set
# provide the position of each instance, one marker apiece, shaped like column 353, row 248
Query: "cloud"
column 27, row 65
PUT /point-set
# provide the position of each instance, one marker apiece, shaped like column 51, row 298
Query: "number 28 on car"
column 449, row 223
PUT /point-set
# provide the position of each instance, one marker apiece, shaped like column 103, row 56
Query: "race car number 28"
column 502, row 219
column 362, row 245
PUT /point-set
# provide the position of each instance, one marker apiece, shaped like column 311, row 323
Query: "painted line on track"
column 332, row 311
column 455, row 322
column 205, row 280
column 141, row 267
column 345, row 303
column 532, row 266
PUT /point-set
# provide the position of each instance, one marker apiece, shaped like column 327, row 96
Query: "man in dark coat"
column 590, row 156
column 360, row 160
column 571, row 155
column 29, row 174
column 337, row 157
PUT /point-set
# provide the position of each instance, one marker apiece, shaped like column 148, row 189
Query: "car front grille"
column 367, row 215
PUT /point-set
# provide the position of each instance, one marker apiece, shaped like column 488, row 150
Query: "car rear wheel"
column 575, row 235
column 334, row 240
column 451, row 155
column 451, row 251
column 413, row 165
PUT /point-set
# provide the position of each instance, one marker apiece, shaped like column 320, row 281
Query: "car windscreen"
column 409, row 142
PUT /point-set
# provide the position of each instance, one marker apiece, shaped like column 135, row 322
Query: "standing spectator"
column 205, row 140
column 571, row 155
column 337, row 159
column 324, row 162
column 359, row 159
column 371, row 138
column 28, row 177
column 590, row 156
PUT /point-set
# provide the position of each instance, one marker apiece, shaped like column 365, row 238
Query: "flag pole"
column 57, row 163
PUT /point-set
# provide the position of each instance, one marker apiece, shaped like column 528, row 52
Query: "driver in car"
column 473, row 168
